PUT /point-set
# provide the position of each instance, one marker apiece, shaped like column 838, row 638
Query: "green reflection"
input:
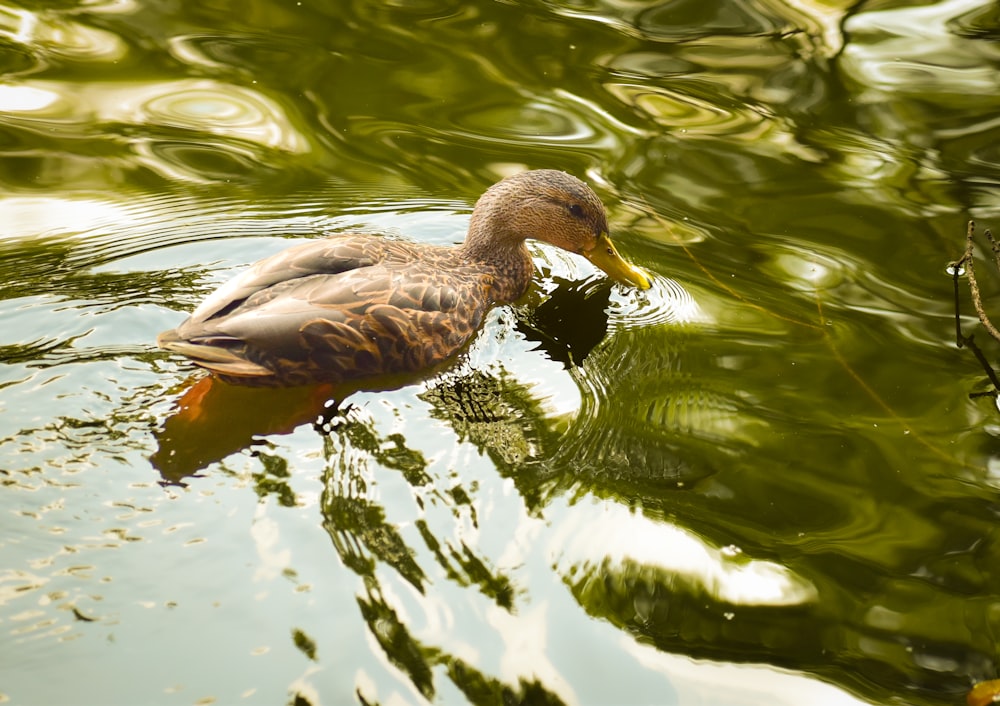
column 305, row 643
column 364, row 539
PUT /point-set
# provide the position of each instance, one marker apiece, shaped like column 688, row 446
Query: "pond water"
column 763, row 481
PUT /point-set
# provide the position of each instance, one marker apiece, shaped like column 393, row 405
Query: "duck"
column 357, row 306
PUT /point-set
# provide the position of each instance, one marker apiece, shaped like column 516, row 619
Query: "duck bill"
column 605, row 256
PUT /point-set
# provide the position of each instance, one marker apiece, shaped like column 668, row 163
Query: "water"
column 764, row 481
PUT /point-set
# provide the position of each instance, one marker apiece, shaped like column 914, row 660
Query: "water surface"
column 764, row 481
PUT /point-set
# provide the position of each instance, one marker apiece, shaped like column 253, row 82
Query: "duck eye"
column 577, row 210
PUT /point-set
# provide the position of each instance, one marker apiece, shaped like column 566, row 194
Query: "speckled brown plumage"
column 357, row 306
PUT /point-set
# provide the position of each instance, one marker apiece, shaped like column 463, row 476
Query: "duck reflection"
column 214, row 419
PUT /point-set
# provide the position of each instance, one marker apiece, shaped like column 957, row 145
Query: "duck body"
column 341, row 308
column 357, row 306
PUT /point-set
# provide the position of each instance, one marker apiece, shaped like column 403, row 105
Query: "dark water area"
column 766, row 480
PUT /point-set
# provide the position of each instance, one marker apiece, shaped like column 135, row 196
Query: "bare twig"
column 987, row 368
column 968, row 260
column 957, row 268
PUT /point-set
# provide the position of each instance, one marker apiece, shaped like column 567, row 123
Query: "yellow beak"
column 607, row 258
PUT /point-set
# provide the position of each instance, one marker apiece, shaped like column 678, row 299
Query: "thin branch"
column 961, row 339
column 969, row 261
column 987, row 368
column 956, row 269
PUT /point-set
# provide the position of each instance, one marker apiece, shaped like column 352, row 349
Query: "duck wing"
column 329, row 256
column 380, row 316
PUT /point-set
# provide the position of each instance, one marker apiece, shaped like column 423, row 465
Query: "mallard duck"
column 357, row 306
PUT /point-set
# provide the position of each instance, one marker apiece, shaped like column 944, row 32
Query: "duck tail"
column 214, row 353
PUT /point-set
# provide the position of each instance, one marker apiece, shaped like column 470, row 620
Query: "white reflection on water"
column 273, row 555
column 666, row 302
column 526, row 648
column 26, row 216
column 23, row 99
column 704, row 682
column 805, row 270
column 609, row 535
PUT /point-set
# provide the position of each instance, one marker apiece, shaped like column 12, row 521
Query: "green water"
column 762, row 482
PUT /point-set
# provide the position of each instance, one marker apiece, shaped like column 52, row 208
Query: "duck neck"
column 500, row 251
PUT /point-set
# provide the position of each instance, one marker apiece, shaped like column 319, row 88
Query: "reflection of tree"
column 364, row 539
column 417, row 660
column 480, row 689
column 273, row 480
column 62, row 268
column 677, row 436
column 358, row 526
column 399, row 646
column 502, row 419
column 470, row 570
column 304, row 643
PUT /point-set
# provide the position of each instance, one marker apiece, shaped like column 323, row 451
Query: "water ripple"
column 658, row 21
column 530, row 122
column 910, row 50
column 202, row 123
column 675, row 109
column 247, row 54
column 55, row 37
column 534, row 121
column 666, row 302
